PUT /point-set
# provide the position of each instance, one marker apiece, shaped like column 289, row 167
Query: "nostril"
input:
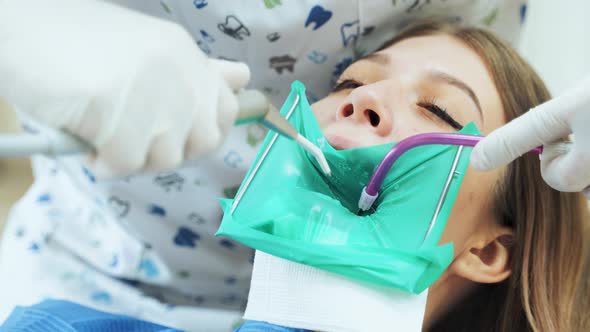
column 374, row 118
column 347, row 110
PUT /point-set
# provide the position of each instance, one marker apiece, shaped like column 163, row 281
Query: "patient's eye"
column 440, row 112
column 346, row 84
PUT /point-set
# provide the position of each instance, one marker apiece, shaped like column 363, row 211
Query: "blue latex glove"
column 565, row 166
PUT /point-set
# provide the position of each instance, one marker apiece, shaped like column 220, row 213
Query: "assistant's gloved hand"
column 137, row 88
column 565, row 166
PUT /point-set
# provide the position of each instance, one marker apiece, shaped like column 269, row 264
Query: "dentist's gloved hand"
column 135, row 87
column 565, row 166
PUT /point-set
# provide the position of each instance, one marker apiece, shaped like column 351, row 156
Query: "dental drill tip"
column 321, row 159
column 315, row 152
column 324, row 164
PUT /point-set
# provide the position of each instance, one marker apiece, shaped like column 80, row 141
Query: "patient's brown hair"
column 548, row 289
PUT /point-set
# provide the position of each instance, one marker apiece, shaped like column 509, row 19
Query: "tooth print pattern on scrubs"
column 154, row 231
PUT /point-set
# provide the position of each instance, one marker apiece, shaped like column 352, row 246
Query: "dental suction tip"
column 316, row 152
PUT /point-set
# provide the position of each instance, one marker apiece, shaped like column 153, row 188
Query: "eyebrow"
column 434, row 75
column 378, row 58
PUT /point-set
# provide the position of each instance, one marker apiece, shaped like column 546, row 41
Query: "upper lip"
column 341, row 143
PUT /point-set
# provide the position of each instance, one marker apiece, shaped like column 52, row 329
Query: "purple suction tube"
column 411, row 142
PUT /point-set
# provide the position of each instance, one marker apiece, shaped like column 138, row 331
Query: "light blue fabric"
column 257, row 326
column 64, row 316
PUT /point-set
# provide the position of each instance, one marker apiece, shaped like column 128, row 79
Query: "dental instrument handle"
column 371, row 190
column 24, row 145
column 277, row 123
column 254, row 106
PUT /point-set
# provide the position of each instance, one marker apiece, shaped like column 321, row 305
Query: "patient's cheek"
column 472, row 208
column 325, row 110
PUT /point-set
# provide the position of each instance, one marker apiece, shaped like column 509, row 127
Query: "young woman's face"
column 406, row 89
column 419, row 85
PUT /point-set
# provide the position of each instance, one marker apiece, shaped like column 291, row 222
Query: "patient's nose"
column 363, row 105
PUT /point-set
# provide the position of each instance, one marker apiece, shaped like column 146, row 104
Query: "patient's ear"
column 486, row 257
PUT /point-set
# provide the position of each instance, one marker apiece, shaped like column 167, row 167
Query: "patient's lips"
column 342, row 143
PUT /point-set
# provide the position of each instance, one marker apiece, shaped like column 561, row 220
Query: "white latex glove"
column 137, row 88
column 565, row 166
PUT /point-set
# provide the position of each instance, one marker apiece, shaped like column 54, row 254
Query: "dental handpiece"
column 253, row 106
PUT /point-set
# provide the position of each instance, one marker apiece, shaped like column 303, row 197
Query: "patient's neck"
column 443, row 295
